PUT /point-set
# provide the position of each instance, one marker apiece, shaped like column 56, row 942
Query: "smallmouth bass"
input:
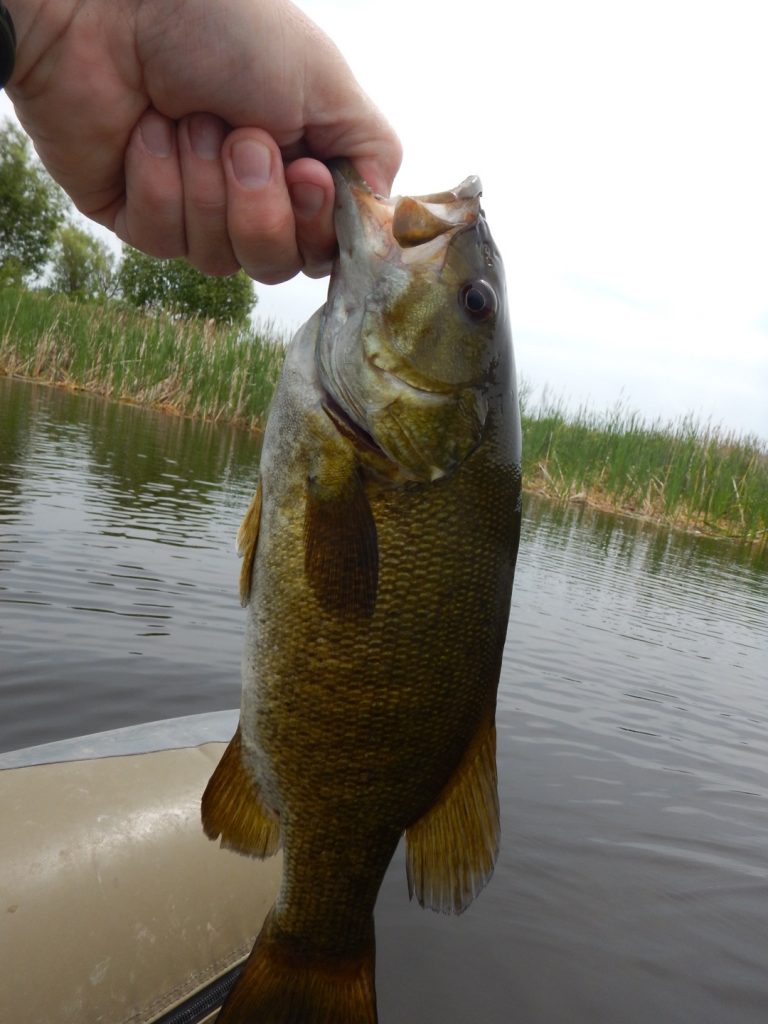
column 379, row 552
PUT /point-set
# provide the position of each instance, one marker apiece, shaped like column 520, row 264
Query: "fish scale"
column 380, row 552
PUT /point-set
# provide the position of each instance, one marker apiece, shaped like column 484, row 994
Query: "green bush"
column 175, row 286
column 31, row 209
column 81, row 265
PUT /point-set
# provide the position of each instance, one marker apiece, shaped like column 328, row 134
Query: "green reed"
column 684, row 472
column 190, row 366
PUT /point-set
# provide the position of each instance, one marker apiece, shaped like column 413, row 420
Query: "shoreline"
column 542, row 486
column 599, row 503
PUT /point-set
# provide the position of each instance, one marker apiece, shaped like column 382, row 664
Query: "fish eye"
column 478, row 300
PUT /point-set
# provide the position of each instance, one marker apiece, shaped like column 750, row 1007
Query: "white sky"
column 623, row 149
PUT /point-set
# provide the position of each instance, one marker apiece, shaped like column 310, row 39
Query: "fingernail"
column 307, row 199
column 205, row 137
column 156, row 135
column 252, row 163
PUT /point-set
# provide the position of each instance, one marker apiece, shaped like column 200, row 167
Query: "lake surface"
column 632, row 886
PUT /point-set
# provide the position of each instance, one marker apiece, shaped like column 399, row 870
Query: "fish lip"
column 366, row 214
column 370, row 215
column 342, row 170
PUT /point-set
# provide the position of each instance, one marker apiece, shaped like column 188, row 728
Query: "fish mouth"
column 394, row 225
column 344, row 172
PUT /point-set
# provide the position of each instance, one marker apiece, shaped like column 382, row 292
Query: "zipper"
column 197, row 1007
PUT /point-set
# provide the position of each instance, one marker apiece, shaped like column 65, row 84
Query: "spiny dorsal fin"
column 233, row 809
column 247, row 537
column 451, row 850
column 341, row 552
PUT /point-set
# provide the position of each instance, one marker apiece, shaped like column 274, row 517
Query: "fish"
column 378, row 559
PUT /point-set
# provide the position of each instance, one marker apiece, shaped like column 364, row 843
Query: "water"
column 633, row 724
column 118, row 573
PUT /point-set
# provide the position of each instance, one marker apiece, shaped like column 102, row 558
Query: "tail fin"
column 280, row 985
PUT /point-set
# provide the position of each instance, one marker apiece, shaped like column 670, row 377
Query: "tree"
column 81, row 265
column 31, row 208
column 175, row 286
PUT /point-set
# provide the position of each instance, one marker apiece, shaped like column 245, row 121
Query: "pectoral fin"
column 247, row 537
column 233, row 809
column 451, row 850
column 341, row 554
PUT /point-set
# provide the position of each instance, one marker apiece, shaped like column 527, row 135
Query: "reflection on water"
column 632, row 884
column 117, row 567
column 633, row 725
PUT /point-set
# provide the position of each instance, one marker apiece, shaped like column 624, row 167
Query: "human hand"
column 198, row 129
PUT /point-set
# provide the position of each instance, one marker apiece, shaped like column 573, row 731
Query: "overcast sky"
column 623, row 149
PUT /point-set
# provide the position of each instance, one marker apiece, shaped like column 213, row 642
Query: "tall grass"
column 190, row 366
column 684, row 472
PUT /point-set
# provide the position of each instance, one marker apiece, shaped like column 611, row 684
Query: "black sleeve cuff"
column 7, row 46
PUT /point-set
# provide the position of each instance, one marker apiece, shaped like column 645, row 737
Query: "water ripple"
column 632, row 719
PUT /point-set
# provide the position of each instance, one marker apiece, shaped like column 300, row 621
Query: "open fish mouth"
column 400, row 223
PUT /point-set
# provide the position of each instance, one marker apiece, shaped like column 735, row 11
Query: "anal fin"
column 247, row 538
column 451, row 850
column 233, row 809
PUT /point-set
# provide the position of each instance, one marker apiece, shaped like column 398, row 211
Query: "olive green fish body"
column 384, row 541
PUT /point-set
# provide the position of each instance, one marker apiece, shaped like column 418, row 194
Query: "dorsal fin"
column 452, row 849
column 233, row 808
column 247, row 537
